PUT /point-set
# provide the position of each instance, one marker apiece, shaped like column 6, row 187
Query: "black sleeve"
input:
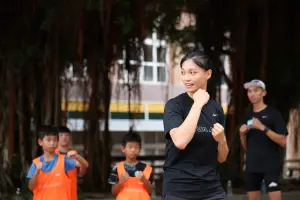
column 221, row 116
column 113, row 177
column 279, row 124
column 172, row 116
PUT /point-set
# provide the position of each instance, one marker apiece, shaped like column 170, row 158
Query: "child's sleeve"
column 70, row 164
column 31, row 171
column 113, row 177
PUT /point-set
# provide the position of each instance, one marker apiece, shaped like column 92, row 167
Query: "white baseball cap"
column 256, row 83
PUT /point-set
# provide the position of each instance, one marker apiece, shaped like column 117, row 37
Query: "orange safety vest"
column 72, row 174
column 133, row 188
column 53, row 185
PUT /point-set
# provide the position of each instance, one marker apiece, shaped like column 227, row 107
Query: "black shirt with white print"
column 130, row 169
column 263, row 155
column 191, row 173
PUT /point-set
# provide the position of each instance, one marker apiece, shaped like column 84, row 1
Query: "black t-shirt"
column 263, row 155
column 130, row 169
column 191, row 173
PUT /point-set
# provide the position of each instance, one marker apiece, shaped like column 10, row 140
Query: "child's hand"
column 124, row 178
column 39, row 166
column 139, row 175
column 72, row 154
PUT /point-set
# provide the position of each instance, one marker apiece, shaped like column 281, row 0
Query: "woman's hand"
column 218, row 133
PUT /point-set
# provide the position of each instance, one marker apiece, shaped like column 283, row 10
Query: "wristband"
column 266, row 129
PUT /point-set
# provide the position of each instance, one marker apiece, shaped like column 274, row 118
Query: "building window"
column 147, row 53
column 154, row 62
column 161, row 54
column 161, row 73
column 148, row 73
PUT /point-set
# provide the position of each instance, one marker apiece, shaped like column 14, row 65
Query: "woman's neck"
column 190, row 94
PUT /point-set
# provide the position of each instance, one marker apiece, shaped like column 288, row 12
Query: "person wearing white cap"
column 262, row 134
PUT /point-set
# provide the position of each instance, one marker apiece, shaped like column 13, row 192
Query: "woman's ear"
column 208, row 74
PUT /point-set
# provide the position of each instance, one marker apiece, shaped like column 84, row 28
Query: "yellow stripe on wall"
column 124, row 107
column 74, row 106
column 114, row 107
column 156, row 108
column 120, row 107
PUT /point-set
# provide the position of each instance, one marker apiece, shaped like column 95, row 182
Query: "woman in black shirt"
column 195, row 136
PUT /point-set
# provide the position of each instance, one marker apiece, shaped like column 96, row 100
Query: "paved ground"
column 285, row 196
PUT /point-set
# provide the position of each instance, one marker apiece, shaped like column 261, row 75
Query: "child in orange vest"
column 47, row 174
column 65, row 138
column 130, row 178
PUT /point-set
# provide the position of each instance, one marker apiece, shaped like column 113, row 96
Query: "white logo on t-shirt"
column 203, row 129
column 273, row 184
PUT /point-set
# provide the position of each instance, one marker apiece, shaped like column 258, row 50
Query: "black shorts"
column 221, row 196
column 254, row 181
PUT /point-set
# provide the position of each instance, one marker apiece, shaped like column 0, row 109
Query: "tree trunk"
column 21, row 127
column 106, row 64
column 296, row 48
column 38, row 109
column 236, row 108
column 265, row 39
column 57, row 87
column 92, row 142
column 47, row 111
column 106, row 157
column 11, row 118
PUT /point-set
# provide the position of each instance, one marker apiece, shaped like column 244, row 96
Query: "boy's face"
column 256, row 94
column 131, row 149
column 49, row 143
column 64, row 139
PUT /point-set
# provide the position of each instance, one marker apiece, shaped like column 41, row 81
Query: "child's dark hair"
column 200, row 58
column 131, row 137
column 63, row 129
column 47, row 130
